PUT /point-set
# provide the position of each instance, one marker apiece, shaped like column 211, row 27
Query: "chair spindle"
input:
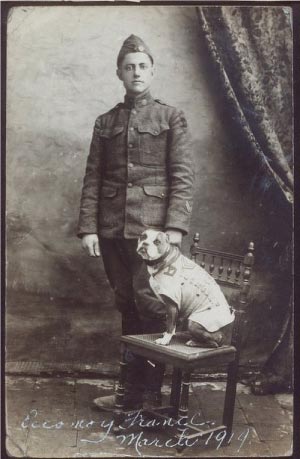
column 229, row 270
column 238, row 272
column 221, row 267
column 212, row 265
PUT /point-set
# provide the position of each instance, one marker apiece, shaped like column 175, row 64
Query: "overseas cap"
column 133, row 44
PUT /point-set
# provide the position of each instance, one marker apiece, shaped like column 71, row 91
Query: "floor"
column 54, row 417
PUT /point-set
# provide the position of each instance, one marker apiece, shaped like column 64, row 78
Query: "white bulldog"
column 186, row 289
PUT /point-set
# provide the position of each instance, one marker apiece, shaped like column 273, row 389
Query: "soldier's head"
column 135, row 65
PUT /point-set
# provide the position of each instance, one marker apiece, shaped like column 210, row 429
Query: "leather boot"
column 108, row 403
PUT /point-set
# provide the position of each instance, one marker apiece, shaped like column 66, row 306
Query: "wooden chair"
column 233, row 273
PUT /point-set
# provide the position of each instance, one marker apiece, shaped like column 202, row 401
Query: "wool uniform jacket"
column 139, row 171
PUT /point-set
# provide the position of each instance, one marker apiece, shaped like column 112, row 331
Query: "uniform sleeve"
column 89, row 204
column 181, row 173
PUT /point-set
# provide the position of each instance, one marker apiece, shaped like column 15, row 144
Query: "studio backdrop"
column 61, row 74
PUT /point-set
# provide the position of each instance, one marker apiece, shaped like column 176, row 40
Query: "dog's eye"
column 156, row 242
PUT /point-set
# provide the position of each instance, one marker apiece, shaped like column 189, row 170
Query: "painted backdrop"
column 61, row 64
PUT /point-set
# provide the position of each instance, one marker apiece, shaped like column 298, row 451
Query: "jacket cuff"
column 178, row 227
column 175, row 229
column 81, row 231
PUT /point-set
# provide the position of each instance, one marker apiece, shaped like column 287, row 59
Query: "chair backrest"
column 232, row 272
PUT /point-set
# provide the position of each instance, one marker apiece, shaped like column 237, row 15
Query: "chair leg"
column 175, row 390
column 183, row 409
column 230, row 396
column 120, row 392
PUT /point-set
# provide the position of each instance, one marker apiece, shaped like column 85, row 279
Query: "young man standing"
column 139, row 175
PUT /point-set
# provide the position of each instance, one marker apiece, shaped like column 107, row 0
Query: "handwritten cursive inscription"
column 138, row 440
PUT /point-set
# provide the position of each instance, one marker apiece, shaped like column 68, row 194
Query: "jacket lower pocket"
column 155, row 205
column 109, row 206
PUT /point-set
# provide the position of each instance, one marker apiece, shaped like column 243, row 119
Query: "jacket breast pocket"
column 153, row 141
column 109, row 206
column 112, row 136
column 155, row 205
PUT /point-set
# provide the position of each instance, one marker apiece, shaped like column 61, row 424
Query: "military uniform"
column 139, row 175
column 139, row 172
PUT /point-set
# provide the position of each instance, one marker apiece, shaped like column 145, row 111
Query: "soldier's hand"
column 90, row 243
column 175, row 237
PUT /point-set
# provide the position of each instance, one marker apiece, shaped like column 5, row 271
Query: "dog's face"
column 152, row 244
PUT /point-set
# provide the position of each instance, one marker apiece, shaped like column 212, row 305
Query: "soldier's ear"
column 166, row 235
column 119, row 74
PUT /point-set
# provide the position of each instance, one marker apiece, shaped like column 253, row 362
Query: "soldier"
column 139, row 175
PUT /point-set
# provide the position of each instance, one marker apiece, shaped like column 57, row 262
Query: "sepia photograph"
column 148, row 230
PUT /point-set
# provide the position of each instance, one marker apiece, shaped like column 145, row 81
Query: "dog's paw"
column 203, row 344
column 164, row 341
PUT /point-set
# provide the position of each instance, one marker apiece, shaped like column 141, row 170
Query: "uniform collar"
column 141, row 100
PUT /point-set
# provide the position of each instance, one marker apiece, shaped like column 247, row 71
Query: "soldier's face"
column 136, row 71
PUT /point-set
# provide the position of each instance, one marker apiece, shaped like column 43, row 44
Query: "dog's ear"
column 162, row 237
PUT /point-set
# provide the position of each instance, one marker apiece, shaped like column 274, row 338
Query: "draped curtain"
column 250, row 49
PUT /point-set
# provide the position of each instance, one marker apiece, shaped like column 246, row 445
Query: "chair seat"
column 177, row 353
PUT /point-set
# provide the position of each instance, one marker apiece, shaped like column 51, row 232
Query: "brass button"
column 130, row 165
column 129, row 185
column 155, row 132
column 130, row 145
column 133, row 112
column 144, row 102
column 131, row 129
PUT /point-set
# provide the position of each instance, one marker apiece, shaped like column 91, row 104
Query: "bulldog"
column 189, row 293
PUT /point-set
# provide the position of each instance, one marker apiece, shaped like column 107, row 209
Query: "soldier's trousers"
column 141, row 311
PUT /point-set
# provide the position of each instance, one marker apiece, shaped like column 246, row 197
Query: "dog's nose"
column 142, row 248
column 141, row 245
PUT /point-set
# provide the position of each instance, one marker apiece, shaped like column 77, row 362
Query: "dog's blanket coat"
column 196, row 294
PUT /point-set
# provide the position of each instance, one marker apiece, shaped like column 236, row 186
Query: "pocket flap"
column 109, row 192
column 156, row 190
column 110, row 132
column 154, row 129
